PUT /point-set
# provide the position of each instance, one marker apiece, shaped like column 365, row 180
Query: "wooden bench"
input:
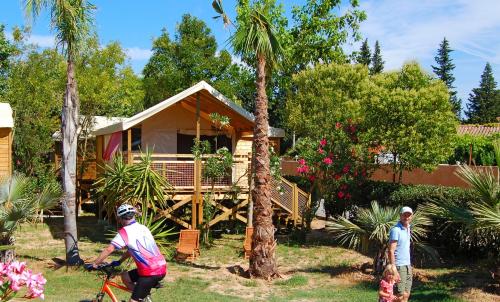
column 247, row 244
column 188, row 247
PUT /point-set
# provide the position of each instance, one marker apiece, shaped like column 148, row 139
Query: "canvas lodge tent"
column 168, row 130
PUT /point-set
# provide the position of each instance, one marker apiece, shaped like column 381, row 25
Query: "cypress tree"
column 377, row 62
column 484, row 101
column 364, row 56
column 444, row 71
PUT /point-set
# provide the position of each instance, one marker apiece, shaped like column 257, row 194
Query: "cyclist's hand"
column 115, row 263
column 89, row 266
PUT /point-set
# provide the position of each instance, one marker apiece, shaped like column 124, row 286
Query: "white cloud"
column 410, row 30
column 42, row 41
column 136, row 53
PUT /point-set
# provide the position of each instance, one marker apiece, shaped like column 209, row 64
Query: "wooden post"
column 99, row 168
column 470, row 154
column 129, row 146
column 295, row 205
column 199, row 198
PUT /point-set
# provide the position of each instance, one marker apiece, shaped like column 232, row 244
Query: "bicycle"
column 107, row 271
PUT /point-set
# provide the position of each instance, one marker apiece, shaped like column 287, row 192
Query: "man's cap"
column 406, row 210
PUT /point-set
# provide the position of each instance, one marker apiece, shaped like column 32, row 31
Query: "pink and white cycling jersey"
column 143, row 249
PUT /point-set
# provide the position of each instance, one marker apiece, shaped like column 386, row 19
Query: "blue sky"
column 406, row 29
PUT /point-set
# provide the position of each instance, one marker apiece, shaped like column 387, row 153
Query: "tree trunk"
column 7, row 255
column 69, row 128
column 262, row 260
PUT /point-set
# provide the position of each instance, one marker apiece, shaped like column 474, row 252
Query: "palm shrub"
column 138, row 184
column 19, row 203
column 479, row 219
column 368, row 232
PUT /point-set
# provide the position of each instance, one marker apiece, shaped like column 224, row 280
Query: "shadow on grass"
column 195, row 265
column 239, row 271
column 88, row 229
column 332, row 270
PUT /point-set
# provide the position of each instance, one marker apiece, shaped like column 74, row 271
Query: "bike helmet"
column 125, row 211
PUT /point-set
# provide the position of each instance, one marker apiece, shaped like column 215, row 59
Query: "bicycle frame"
column 106, row 289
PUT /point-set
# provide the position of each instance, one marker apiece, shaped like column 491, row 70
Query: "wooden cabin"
column 6, row 127
column 168, row 130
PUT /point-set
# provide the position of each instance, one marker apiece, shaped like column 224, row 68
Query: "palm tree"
column 369, row 232
column 72, row 20
column 255, row 39
column 18, row 203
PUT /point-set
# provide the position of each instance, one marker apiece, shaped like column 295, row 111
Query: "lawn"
column 310, row 272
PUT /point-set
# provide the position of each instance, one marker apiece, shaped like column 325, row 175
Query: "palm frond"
column 487, row 216
column 346, row 232
column 484, row 182
column 49, row 197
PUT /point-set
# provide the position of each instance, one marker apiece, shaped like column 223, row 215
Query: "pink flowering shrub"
column 14, row 276
column 335, row 165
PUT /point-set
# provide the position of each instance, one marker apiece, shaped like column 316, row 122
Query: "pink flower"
column 346, row 168
column 327, row 160
column 303, row 169
column 343, row 187
column 341, row 194
column 323, row 142
column 348, row 196
column 321, row 151
column 337, row 176
column 312, row 178
column 338, row 125
column 302, row 161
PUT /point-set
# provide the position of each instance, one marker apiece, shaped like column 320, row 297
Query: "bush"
column 482, row 150
column 450, row 241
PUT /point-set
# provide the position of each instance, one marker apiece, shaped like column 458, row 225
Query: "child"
column 386, row 285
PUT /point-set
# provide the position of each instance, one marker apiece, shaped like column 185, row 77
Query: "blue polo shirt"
column 402, row 235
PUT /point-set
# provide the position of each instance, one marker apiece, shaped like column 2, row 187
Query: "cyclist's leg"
column 143, row 287
column 130, row 278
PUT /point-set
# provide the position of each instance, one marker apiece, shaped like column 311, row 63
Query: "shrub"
column 482, row 150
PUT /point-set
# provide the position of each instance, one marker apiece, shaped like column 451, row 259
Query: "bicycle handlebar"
column 101, row 267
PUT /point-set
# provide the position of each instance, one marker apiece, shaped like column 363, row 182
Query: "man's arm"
column 124, row 257
column 104, row 254
column 392, row 258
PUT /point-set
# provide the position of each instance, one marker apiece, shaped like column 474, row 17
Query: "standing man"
column 141, row 246
column 399, row 253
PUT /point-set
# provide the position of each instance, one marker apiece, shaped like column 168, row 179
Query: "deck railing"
column 178, row 169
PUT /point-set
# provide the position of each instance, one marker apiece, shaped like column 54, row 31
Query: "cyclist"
column 141, row 246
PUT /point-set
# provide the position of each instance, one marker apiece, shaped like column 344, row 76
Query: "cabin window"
column 136, row 139
column 185, row 142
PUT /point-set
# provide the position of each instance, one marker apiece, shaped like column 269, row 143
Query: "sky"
column 406, row 30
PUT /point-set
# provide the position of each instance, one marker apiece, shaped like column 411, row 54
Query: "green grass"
column 313, row 273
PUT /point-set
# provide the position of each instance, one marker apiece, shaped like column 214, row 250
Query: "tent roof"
column 211, row 100
column 98, row 122
column 6, row 120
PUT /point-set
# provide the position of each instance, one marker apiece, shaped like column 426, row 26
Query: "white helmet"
column 125, row 210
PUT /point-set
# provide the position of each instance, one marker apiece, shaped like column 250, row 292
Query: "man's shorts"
column 143, row 285
column 406, row 275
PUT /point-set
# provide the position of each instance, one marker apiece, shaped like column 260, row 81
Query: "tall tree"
column 6, row 52
column 377, row 62
column 364, row 56
column 484, row 101
column 409, row 114
column 444, row 71
column 317, row 33
column 255, row 38
column 72, row 20
column 190, row 57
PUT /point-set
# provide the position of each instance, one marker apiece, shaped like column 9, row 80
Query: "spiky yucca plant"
column 369, row 231
column 18, row 203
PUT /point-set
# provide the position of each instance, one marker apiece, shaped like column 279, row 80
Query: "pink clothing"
column 142, row 247
column 386, row 287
